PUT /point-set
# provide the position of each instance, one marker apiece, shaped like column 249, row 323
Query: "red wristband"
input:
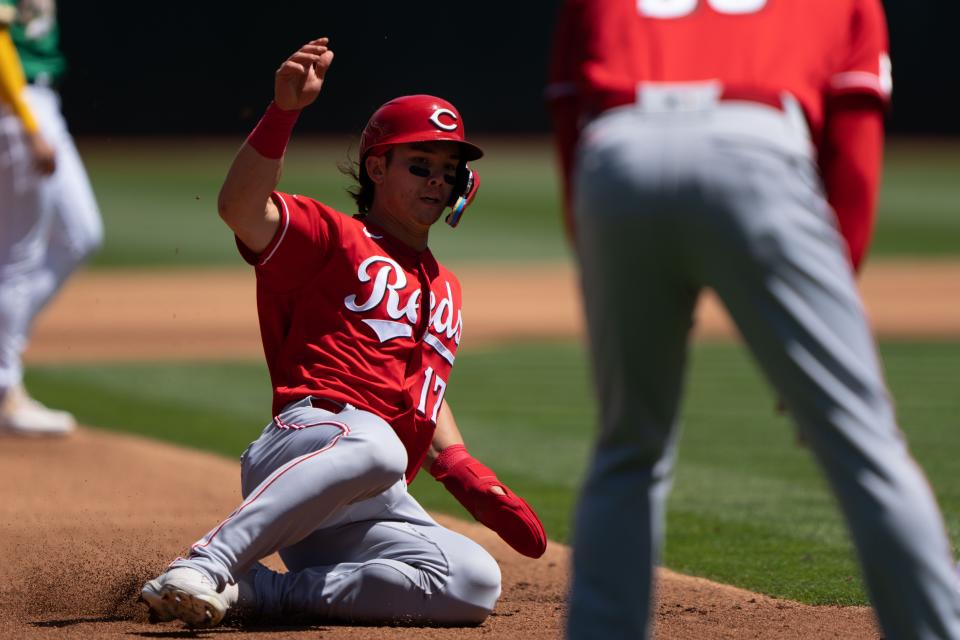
column 447, row 458
column 271, row 135
column 469, row 480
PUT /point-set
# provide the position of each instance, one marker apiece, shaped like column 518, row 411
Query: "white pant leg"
column 76, row 229
column 48, row 225
column 26, row 213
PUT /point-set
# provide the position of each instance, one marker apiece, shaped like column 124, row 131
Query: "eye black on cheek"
column 449, row 179
column 420, row 172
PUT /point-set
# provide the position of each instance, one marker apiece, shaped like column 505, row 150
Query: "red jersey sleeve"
column 850, row 161
column 300, row 246
column 851, row 148
column 864, row 68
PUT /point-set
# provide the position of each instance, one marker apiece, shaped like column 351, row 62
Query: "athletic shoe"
column 186, row 594
column 23, row 416
column 183, row 593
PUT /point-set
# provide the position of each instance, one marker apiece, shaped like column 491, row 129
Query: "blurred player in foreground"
column 736, row 145
column 49, row 221
column 360, row 328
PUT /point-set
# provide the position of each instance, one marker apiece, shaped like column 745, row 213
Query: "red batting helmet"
column 419, row 118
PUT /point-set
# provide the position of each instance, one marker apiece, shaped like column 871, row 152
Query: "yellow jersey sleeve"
column 12, row 82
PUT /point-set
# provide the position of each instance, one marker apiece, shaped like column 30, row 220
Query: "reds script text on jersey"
column 760, row 45
column 351, row 314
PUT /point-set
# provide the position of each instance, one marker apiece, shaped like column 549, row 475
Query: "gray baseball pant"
column 327, row 491
column 728, row 197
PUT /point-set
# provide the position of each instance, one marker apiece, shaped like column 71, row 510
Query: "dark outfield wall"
column 207, row 67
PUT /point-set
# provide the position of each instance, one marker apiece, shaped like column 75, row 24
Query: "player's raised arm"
column 244, row 202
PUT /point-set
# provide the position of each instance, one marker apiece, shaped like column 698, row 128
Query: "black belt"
column 333, row 406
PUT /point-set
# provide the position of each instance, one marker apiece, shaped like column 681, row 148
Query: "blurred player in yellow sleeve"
column 49, row 221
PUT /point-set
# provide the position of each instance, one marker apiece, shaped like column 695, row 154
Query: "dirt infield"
column 84, row 521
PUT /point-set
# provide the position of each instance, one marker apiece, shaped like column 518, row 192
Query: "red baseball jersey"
column 351, row 314
column 810, row 48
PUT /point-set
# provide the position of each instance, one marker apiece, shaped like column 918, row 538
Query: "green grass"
column 159, row 200
column 919, row 200
column 748, row 506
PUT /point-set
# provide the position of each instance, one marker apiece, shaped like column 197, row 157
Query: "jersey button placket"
column 415, row 355
column 423, row 320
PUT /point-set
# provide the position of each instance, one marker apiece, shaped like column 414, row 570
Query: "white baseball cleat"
column 21, row 415
column 186, row 594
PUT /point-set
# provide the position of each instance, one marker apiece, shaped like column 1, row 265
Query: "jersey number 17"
column 439, row 388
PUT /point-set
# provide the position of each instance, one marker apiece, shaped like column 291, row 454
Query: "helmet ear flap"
column 464, row 192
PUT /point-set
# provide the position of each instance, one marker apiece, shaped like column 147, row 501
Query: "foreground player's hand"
column 298, row 80
column 488, row 500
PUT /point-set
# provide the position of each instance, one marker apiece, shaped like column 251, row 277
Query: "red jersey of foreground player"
column 831, row 55
column 341, row 316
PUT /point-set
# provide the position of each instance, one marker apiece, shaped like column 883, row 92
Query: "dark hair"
column 362, row 192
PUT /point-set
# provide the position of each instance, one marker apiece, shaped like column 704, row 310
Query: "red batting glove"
column 470, row 482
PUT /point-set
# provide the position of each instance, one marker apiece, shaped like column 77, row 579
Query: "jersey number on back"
column 680, row 8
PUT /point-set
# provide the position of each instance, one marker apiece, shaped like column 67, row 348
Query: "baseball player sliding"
column 734, row 144
column 360, row 328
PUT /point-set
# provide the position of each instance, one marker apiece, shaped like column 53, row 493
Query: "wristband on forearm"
column 271, row 135
column 447, row 459
column 470, row 482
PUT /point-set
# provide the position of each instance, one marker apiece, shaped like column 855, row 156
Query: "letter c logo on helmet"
column 435, row 119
